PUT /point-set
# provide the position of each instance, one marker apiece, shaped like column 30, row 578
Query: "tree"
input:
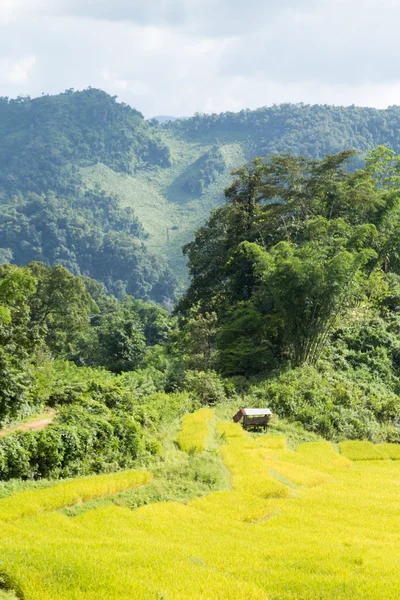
column 199, row 335
column 16, row 341
column 118, row 341
column 60, row 306
column 293, row 248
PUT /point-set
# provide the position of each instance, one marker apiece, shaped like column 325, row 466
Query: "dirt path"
column 37, row 424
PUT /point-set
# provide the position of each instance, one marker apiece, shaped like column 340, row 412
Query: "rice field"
column 310, row 524
column 195, row 430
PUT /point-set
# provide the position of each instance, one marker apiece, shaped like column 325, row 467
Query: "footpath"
column 34, row 424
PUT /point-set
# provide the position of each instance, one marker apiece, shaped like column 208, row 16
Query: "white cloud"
column 114, row 81
column 13, row 10
column 181, row 56
column 16, row 72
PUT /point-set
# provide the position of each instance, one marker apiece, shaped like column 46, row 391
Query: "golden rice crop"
column 356, row 450
column 69, row 493
column 247, row 464
column 337, row 540
column 323, row 454
column 274, row 441
column 235, row 506
column 194, row 430
column 230, row 430
column 298, row 474
column 392, row 450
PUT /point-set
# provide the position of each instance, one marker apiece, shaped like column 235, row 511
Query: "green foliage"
column 300, row 268
column 89, row 436
column 60, row 307
column 247, row 341
column 206, row 386
column 299, row 243
column 171, row 175
column 92, row 235
column 120, row 343
column 198, row 340
column 204, row 172
column 332, row 404
column 301, row 129
column 47, row 214
column 44, row 135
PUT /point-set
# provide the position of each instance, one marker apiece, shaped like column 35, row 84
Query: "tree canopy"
column 299, row 242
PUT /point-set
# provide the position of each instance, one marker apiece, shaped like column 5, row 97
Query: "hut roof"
column 255, row 412
column 251, row 412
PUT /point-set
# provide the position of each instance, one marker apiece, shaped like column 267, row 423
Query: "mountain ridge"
column 170, row 176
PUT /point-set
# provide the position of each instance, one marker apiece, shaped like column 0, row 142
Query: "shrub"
column 84, row 439
column 334, row 405
column 207, row 386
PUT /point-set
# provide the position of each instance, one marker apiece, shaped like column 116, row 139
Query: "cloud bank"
column 181, row 56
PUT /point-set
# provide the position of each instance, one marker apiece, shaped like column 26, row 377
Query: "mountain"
column 161, row 119
column 88, row 182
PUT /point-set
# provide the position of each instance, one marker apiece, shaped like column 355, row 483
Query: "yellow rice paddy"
column 304, row 525
column 194, row 430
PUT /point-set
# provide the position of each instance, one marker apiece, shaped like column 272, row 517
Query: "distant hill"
column 165, row 119
column 88, row 182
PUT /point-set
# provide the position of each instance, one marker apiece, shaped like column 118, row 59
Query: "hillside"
column 78, row 147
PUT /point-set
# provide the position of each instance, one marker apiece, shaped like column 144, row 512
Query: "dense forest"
column 294, row 276
column 47, row 213
column 293, row 303
column 88, row 183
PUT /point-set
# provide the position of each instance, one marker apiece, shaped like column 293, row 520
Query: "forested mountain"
column 87, row 182
column 48, row 214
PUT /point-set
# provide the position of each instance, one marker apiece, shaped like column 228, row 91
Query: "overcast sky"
column 175, row 57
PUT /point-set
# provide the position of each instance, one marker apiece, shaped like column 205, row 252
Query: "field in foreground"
column 303, row 524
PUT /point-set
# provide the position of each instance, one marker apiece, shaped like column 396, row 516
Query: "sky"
column 177, row 57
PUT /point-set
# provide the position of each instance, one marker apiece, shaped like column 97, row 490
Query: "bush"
column 85, row 439
column 207, row 386
column 333, row 404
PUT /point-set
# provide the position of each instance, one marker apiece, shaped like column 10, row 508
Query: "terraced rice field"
column 309, row 524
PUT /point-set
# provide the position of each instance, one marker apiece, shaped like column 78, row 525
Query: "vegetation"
column 91, row 236
column 294, row 286
column 80, row 151
column 47, row 214
column 293, row 303
column 311, row 534
column 69, row 493
column 194, row 432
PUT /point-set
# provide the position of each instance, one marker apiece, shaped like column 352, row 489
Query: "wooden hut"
column 253, row 417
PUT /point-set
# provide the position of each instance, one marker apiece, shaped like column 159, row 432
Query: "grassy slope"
column 159, row 201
